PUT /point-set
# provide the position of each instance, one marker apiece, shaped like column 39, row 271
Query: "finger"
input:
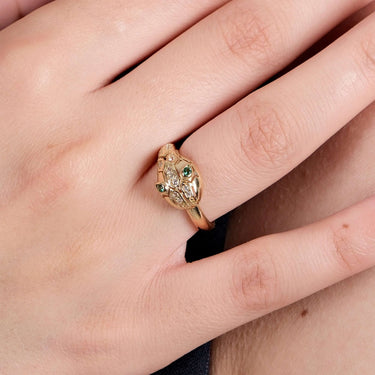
column 105, row 38
column 220, row 293
column 266, row 135
column 262, row 138
column 12, row 10
column 214, row 64
column 339, row 174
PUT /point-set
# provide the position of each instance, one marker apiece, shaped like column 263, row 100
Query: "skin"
column 330, row 332
column 93, row 273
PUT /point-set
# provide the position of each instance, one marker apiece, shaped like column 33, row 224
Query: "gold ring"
column 179, row 182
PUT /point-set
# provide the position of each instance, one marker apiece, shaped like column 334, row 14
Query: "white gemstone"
column 187, row 190
column 171, row 157
column 172, row 177
column 169, row 171
column 176, row 197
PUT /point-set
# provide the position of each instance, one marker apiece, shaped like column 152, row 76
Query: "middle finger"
column 213, row 64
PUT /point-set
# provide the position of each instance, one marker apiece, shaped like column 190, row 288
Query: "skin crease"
column 93, row 277
column 331, row 332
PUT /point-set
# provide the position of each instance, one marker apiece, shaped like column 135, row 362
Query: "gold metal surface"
column 179, row 183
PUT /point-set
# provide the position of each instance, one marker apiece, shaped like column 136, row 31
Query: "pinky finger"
column 217, row 294
column 12, row 10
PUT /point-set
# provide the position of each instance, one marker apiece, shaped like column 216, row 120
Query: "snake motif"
column 178, row 180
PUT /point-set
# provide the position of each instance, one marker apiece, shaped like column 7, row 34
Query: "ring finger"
column 270, row 132
column 267, row 134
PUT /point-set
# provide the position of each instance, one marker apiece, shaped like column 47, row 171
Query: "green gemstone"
column 161, row 188
column 187, row 171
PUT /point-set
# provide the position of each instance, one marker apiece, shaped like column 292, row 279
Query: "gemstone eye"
column 187, row 171
column 161, row 188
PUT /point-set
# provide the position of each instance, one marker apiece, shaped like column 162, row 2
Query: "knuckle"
column 347, row 252
column 263, row 135
column 249, row 34
column 367, row 58
column 254, row 281
column 57, row 177
column 29, row 63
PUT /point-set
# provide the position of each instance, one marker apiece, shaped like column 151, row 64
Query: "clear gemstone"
column 172, row 176
column 187, row 190
column 171, row 158
column 176, row 197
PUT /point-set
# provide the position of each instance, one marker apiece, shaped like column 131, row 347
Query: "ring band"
column 179, row 182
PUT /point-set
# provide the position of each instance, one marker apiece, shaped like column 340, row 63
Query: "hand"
column 93, row 276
